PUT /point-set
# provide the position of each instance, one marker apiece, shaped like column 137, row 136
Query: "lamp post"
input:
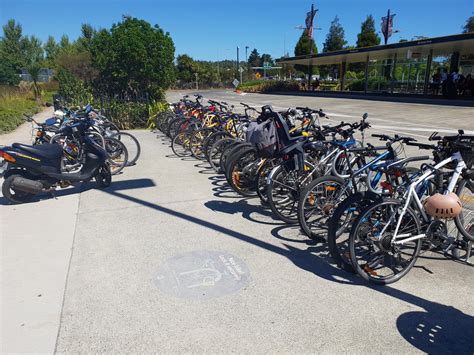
column 247, row 62
column 237, row 58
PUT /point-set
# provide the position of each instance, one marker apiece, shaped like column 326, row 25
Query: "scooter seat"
column 48, row 151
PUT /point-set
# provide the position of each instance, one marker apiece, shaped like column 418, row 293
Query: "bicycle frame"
column 412, row 195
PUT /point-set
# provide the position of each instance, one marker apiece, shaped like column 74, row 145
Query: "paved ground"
column 132, row 287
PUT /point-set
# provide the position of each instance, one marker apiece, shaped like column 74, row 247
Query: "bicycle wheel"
column 179, row 145
column 211, row 139
column 317, row 203
column 118, row 155
column 465, row 221
column 197, row 140
column 340, row 225
column 283, row 194
column 261, row 181
column 216, row 152
column 242, row 170
column 132, row 144
column 374, row 255
column 226, row 154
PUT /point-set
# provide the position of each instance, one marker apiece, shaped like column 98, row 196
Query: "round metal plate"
column 202, row 275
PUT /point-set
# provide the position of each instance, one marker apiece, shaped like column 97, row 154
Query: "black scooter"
column 32, row 170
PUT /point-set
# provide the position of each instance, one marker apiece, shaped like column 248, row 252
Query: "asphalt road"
column 169, row 260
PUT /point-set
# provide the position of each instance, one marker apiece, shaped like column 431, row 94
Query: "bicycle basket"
column 399, row 150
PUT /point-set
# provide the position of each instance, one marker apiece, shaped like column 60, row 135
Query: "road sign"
column 257, row 76
column 266, row 65
column 236, row 82
column 241, row 70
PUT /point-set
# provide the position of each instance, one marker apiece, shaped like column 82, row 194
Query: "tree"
column 32, row 50
column 134, row 57
column 8, row 74
column 335, row 38
column 64, row 43
column 78, row 64
column 11, row 50
column 34, row 70
column 303, row 47
column 34, row 56
column 469, row 26
column 368, row 35
column 266, row 58
column 51, row 49
column 254, row 59
column 84, row 42
column 186, row 68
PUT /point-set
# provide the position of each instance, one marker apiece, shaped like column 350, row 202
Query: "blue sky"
column 212, row 29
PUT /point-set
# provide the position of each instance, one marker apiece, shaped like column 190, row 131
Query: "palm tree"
column 34, row 70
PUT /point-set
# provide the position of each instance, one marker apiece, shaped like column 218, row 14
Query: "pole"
column 247, row 76
column 387, row 26
column 310, row 67
column 237, row 58
column 427, row 73
column 197, row 86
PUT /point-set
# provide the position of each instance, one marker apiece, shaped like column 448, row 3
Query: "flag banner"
column 309, row 22
column 387, row 28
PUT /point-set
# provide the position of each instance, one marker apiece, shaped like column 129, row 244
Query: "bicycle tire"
column 468, row 232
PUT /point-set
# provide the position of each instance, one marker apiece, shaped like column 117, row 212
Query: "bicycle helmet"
column 443, row 206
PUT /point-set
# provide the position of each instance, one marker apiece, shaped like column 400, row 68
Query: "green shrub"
column 73, row 90
column 127, row 115
column 269, row 86
column 356, row 85
column 154, row 109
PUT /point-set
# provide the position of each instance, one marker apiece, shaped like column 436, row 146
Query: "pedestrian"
column 435, row 82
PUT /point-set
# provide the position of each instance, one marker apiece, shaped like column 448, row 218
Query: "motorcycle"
column 34, row 169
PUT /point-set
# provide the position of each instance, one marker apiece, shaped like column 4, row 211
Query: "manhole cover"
column 202, row 274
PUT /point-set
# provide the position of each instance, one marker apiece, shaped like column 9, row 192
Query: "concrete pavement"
column 165, row 208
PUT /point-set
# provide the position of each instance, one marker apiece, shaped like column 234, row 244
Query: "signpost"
column 266, row 66
column 241, row 70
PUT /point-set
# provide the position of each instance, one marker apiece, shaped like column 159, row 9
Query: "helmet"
column 443, row 206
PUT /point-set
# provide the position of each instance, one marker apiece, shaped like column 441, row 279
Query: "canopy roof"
column 463, row 43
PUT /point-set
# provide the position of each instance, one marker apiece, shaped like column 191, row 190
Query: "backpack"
column 264, row 137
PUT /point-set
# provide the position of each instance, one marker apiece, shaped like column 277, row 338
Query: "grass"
column 14, row 103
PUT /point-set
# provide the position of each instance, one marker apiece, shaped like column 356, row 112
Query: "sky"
column 213, row 29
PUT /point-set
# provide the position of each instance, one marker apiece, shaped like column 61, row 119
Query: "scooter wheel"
column 104, row 176
column 12, row 195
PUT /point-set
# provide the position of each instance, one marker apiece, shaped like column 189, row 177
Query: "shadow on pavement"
column 438, row 329
column 83, row 187
column 243, row 207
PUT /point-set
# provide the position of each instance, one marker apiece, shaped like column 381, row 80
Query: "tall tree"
column 64, row 43
column 303, row 47
column 254, row 59
column 11, row 45
column 34, row 56
column 335, row 38
column 368, row 35
column 32, row 50
column 266, row 58
column 51, row 49
column 469, row 26
column 84, row 41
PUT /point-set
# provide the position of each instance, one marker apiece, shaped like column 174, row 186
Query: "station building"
column 410, row 67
